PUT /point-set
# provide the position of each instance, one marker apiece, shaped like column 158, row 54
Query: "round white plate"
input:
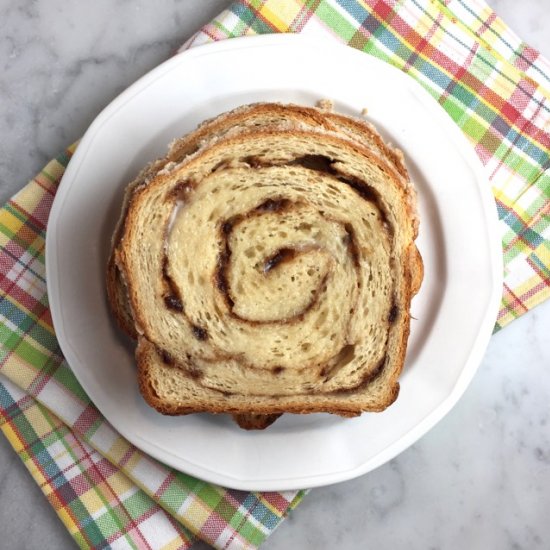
column 454, row 312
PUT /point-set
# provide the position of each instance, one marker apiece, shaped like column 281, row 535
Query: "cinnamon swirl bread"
column 266, row 265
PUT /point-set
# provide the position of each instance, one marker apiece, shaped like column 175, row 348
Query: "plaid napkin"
column 108, row 493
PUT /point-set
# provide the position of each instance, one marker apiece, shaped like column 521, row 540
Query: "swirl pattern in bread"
column 266, row 265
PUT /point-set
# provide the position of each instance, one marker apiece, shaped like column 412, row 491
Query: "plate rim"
column 478, row 346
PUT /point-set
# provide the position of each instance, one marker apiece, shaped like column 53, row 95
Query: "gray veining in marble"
column 62, row 62
column 479, row 480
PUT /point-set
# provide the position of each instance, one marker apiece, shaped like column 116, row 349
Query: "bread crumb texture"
column 267, row 264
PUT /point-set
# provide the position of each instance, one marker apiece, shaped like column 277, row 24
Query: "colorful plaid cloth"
column 107, row 492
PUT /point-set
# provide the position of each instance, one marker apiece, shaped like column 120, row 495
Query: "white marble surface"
column 480, row 479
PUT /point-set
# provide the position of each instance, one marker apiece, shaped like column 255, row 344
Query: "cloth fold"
column 110, row 494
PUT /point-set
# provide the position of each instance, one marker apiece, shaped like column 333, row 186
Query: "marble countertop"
column 479, row 479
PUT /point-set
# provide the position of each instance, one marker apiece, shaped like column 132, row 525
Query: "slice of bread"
column 266, row 265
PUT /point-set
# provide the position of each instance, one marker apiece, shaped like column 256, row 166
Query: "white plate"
column 454, row 311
